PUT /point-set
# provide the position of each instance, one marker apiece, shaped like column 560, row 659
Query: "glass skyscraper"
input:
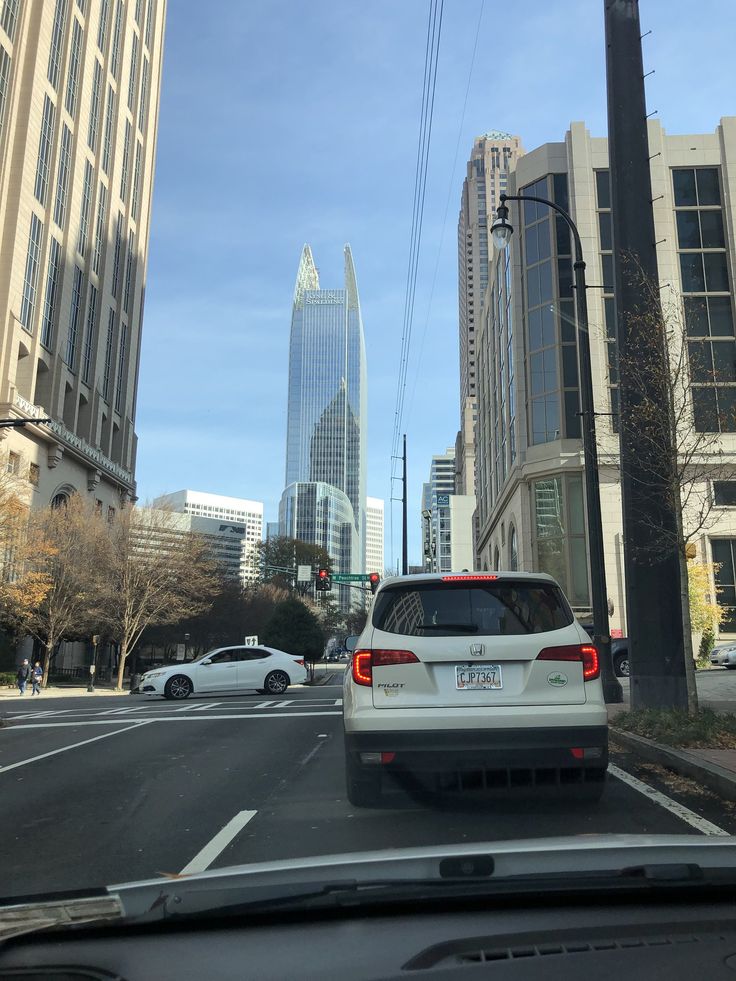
column 324, row 499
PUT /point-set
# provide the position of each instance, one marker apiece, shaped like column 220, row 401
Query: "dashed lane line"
column 64, row 749
column 674, row 807
column 206, row 856
column 168, row 718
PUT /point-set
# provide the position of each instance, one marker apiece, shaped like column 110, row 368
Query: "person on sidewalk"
column 23, row 676
column 37, row 678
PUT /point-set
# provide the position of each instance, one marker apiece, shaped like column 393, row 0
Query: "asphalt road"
column 96, row 791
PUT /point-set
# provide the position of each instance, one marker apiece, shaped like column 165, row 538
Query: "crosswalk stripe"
column 184, row 708
column 338, row 701
column 207, row 705
column 263, row 705
column 280, row 705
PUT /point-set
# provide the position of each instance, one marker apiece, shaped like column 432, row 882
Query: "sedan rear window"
column 493, row 609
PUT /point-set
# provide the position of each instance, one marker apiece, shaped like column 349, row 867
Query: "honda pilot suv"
column 474, row 680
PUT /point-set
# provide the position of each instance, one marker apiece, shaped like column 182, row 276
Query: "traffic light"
column 323, row 580
column 374, row 580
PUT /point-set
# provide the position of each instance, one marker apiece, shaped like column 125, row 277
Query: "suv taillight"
column 575, row 652
column 365, row 661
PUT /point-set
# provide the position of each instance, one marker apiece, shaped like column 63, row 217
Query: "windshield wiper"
column 470, row 628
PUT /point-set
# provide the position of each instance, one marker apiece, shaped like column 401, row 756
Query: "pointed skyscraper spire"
column 307, row 277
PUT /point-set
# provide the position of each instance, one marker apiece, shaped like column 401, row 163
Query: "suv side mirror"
column 351, row 643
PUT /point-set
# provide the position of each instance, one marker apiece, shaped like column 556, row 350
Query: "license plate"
column 477, row 676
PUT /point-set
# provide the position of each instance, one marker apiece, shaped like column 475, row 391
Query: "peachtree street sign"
column 350, row 577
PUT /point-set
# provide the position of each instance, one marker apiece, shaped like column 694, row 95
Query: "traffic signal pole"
column 404, row 540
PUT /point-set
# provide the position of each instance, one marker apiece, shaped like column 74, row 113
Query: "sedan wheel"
column 622, row 666
column 276, row 682
column 178, row 687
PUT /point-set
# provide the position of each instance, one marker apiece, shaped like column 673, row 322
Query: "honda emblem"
column 477, row 650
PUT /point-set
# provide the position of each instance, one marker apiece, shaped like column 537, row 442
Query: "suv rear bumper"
column 457, row 750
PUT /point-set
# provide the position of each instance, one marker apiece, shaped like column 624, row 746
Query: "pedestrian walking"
column 37, row 678
column 23, row 676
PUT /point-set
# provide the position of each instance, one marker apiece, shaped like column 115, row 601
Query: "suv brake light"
column 575, row 652
column 469, row 578
column 365, row 661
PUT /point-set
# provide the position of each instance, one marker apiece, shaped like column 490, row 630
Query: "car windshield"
column 367, row 431
column 492, row 609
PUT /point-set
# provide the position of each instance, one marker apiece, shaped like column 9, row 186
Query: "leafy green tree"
column 295, row 629
column 281, row 552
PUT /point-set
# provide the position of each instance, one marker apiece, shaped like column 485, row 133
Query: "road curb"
column 710, row 775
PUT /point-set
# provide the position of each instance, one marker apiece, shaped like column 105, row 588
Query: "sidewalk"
column 58, row 691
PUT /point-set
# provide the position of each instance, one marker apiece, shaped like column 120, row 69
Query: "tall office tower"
column 374, row 535
column 324, row 498
column 79, row 101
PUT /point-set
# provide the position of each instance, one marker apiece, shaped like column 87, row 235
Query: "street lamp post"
column 93, row 665
column 502, row 230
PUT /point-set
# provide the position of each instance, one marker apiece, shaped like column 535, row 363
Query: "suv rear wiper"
column 471, row 628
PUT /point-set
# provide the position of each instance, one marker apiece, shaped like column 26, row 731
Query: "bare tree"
column 154, row 573
column 67, row 544
column 680, row 468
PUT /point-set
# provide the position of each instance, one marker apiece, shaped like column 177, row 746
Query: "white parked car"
column 724, row 655
column 474, row 680
column 225, row 669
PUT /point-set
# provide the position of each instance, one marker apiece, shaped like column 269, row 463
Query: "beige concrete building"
column 529, row 462
column 79, row 99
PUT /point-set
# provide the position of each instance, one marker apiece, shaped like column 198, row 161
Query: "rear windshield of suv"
column 504, row 608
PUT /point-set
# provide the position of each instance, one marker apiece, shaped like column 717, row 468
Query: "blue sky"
column 283, row 122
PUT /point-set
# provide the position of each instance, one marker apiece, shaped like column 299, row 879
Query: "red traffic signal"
column 374, row 580
column 323, row 580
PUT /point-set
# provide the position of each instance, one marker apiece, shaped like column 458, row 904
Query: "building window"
column 115, row 55
column 133, row 72
column 9, row 17
column 13, row 464
column 118, row 250
column 102, row 29
column 52, row 287
column 136, row 180
column 149, row 23
column 30, row 281
column 57, row 39
column 4, row 79
column 724, row 557
column 111, row 514
column 704, row 274
column 62, row 175
column 513, row 551
column 560, row 534
column 108, row 355
column 85, row 209
column 144, row 97
column 126, row 161
column 496, row 559
column 72, row 81
column 71, row 342
column 109, row 120
column 724, row 493
column 121, row 366
column 94, row 107
column 129, row 272
column 90, row 335
column 100, row 227
column 605, row 234
column 44, row 151
column 34, row 474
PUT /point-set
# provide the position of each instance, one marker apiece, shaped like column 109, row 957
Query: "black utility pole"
column 653, row 601
column 404, row 541
column 612, row 690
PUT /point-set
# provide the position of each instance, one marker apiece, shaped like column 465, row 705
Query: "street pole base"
column 613, row 693
column 659, row 692
column 90, row 688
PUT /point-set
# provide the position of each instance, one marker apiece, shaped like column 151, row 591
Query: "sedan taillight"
column 365, row 661
column 575, row 652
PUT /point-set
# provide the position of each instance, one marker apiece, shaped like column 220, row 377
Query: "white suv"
column 477, row 680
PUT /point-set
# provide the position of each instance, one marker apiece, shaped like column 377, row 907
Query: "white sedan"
column 724, row 655
column 226, row 669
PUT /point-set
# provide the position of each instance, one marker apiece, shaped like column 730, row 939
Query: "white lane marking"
column 207, row 705
column 184, row 708
column 204, row 858
column 338, row 701
column 170, row 718
column 38, row 715
column 263, row 705
column 123, row 711
column 281, row 705
column 679, row 810
column 63, row 749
